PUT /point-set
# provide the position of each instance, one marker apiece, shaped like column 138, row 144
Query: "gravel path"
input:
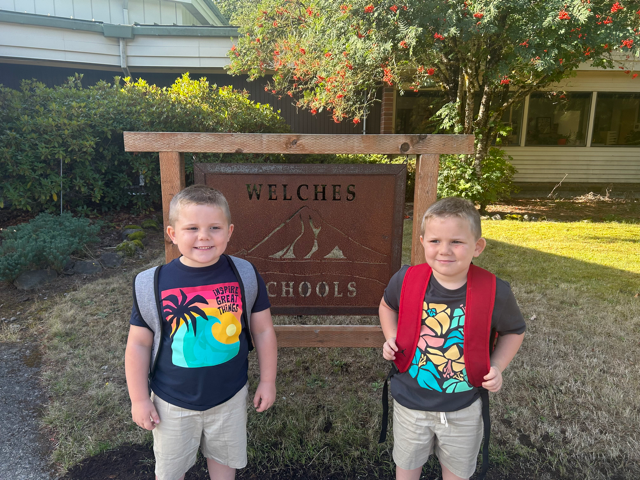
column 23, row 454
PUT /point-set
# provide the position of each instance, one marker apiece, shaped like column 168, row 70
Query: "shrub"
column 46, row 241
column 81, row 128
column 459, row 178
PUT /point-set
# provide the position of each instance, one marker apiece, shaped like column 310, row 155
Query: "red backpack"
column 479, row 339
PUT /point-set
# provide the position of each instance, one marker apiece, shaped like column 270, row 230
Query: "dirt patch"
column 588, row 207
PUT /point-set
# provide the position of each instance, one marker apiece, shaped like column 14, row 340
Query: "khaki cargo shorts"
column 221, row 433
column 454, row 436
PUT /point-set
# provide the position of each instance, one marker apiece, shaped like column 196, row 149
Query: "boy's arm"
column 389, row 324
column 136, row 367
column 264, row 338
column 506, row 349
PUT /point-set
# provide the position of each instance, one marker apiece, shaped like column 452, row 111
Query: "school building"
column 585, row 130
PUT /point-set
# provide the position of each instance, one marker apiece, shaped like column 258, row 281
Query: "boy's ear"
column 480, row 245
column 172, row 233
column 230, row 231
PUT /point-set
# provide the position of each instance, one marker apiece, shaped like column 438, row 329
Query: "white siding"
column 64, row 8
column 178, row 52
column 600, row 81
column 58, row 45
column 145, row 12
column 582, row 164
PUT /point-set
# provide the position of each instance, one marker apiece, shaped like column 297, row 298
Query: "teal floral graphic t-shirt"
column 437, row 379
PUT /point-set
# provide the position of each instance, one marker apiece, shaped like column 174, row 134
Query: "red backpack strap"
column 481, row 295
column 414, row 288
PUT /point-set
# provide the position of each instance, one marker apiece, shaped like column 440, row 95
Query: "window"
column 512, row 117
column 414, row 111
column 558, row 119
column 617, row 119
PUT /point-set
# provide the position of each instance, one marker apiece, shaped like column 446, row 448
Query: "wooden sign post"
column 427, row 148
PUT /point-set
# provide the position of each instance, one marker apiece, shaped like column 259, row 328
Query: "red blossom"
column 634, row 75
column 368, row 8
column 328, row 54
column 339, row 95
column 616, row 6
column 344, row 8
column 627, row 72
column 309, row 12
column 403, row 44
column 608, row 21
column 560, row 60
column 504, row 81
column 258, row 40
column 478, row 15
column 394, row 9
column 431, row 71
column 275, row 24
column 313, row 111
column 233, row 48
column 356, row 121
column 628, row 43
column 420, row 69
column 302, row 51
column 437, row 36
column 563, row 15
column 525, row 43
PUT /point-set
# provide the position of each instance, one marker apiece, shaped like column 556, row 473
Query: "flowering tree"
column 329, row 54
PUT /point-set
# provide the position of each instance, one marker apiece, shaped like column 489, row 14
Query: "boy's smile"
column 449, row 246
column 201, row 233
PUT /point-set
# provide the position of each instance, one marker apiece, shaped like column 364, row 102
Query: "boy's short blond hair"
column 197, row 195
column 454, row 207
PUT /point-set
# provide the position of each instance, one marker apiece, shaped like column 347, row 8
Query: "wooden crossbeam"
column 296, row 144
column 329, row 336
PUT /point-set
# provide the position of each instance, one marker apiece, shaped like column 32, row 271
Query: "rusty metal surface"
column 325, row 238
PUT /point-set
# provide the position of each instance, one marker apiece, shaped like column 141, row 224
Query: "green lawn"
column 569, row 407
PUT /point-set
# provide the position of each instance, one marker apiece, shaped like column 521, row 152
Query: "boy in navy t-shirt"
column 199, row 383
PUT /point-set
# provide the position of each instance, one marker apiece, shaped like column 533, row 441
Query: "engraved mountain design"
column 305, row 236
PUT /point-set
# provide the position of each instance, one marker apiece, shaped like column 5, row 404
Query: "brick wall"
column 388, row 110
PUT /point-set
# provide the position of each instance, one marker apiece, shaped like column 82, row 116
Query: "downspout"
column 125, row 12
column 123, row 43
column 123, row 57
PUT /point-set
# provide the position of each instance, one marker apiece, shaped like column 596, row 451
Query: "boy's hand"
column 493, row 379
column 144, row 414
column 389, row 349
column 265, row 396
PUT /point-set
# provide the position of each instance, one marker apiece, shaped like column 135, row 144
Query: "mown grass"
column 569, row 407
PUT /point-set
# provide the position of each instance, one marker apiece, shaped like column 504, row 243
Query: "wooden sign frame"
column 427, row 148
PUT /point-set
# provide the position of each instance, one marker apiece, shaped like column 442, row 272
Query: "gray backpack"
column 147, row 300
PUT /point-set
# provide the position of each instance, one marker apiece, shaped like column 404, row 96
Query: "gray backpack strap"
column 146, row 300
column 249, row 279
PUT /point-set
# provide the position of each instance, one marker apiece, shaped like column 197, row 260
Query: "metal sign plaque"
column 325, row 238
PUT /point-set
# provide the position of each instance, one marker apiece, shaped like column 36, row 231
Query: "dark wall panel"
column 300, row 121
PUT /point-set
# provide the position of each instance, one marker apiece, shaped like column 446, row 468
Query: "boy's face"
column 449, row 246
column 201, row 233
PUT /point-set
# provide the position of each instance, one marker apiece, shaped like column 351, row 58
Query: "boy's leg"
column 413, row 440
column 175, row 440
column 224, row 438
column 218, row 471
column 402, row 474
column 449, row 475
column 459, row 435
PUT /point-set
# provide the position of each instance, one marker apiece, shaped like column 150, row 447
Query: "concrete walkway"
column 23, row 449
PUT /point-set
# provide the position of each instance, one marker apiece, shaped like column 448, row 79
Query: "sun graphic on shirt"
column 227, row 329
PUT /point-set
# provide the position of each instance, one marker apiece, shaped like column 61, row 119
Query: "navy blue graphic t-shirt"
column 202, row 360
